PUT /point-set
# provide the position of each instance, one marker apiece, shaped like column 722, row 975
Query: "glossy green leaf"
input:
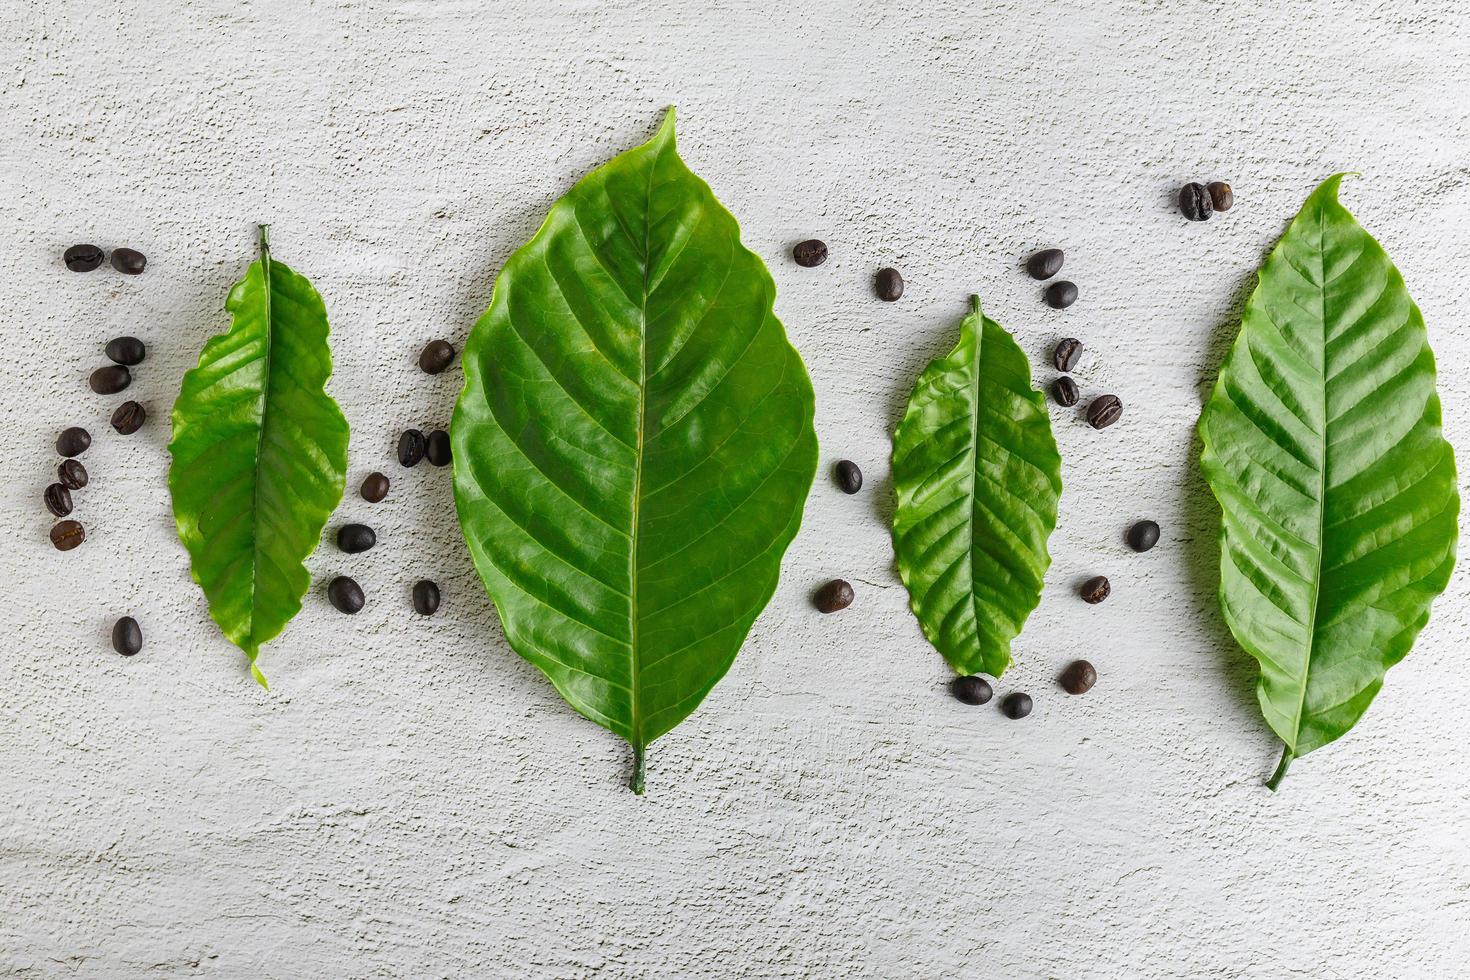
column 1322, row 444
column 978, row 477
column 633, row 445
column 259, row 454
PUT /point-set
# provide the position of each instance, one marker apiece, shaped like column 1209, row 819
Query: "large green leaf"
column 1322, row 444
column 633, row 444
column 978, row 476
column 259, row 454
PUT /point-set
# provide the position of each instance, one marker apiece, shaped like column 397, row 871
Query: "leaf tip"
column 259, row 676
column 666, row 128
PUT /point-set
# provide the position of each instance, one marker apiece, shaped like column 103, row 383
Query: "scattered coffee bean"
column 1016, row 705
column 849, row 477
column 83, row 258
column 110, row 380
column 126, row 350
column 810, row 253
column 436, row 356
column 1045, row 263
column 1104, row 411
column 411, row 446
column 834, row 596
column 72, row 474
column 1067, row 354
column 127, row 637
column 66, row 535
column 58, row 499
column 355, row 538
column 1222, row 198
column 972, row 689
column 374, row 488
column 1060, row 294
column 1079, row 677
column 1064, row 390
column 73, row 441
column 1095, row 590
column 128, row 418
column 438, row 449
column 345, row 595
column 1194, row 201
column 1143, row 536
column 889, row 285
column 425, row 597
column 129, row 261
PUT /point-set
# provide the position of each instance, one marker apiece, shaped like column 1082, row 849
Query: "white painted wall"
column 411, row 799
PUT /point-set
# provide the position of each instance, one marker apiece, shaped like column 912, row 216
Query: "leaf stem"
column 635, row 783
column 265, row 238
column 1280, row 772
column 974, row 303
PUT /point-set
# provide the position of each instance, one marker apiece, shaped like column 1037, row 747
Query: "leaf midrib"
column 636, row 667
column 260, row 440
column 972, row 470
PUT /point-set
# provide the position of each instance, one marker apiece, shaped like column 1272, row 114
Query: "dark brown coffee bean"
column 1104, row 411
column 1194, row 201
column 436, row 356
column 438, row 449
column 110, row 380
column 72, row 474
column 73, row 441
column 58, row 499
column 127, row 637
column 411, row 447
column 834, row 596
column 83, row 258
column 1143, row 536
column 1222, row 198
column 1078, row 678
column 849, row 477
column 1064, row 390
column 66, row 535
column 1067, row 354
column 1045, row 263
column 374, row 487
column 129, row 261
column 888, row 284
column 972, row 689
column 425, row 597
column 810, row 253
column 345, row 595
column 356, row 538
column 128, row 418
column 1016, row 705
column 1095, row 590
column 126, row 350
column 1060, row 294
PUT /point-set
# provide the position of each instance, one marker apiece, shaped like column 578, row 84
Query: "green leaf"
column 978, row 477
column 1322, row 444
column 259, row 454
column 633, row 444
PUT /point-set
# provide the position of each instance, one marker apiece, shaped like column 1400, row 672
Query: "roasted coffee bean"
column 1064, row 390
column 58, row 499
column 128, row 418
column 1060, row 294
column 849, row 477
column 374, row 487
column 83, row 258
column 1194, row 201
column 438, row 449
column 129, row 261
column 810, row 253
column 1078, row 678
column 110, row 380
column 888, row 284
column 355, row 538
column 127, row 637
column 972, row 689
column 1095, row 590
column 411, row 446
column 126, row 350
column 1045, row 263
column 1016, row 705
column 72, row 474
column 425, row 597
column 436, row 356
column 1222, row 198
column 1143, row 536
column 1067, row 354
column 345, row 595
column 66, row 535
column 834, row 596
column 73, row 441
column 1104, row 411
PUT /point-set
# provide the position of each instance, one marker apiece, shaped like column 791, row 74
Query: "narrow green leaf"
column 1322, row 444
column 259, row 454
column 978, row 477
column 633, row 444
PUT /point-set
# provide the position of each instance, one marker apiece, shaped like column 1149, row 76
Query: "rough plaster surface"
column 411, row 799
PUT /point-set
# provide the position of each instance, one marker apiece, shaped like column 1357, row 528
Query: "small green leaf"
column 978, row 477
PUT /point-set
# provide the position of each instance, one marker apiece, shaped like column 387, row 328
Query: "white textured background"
column 411, row 799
